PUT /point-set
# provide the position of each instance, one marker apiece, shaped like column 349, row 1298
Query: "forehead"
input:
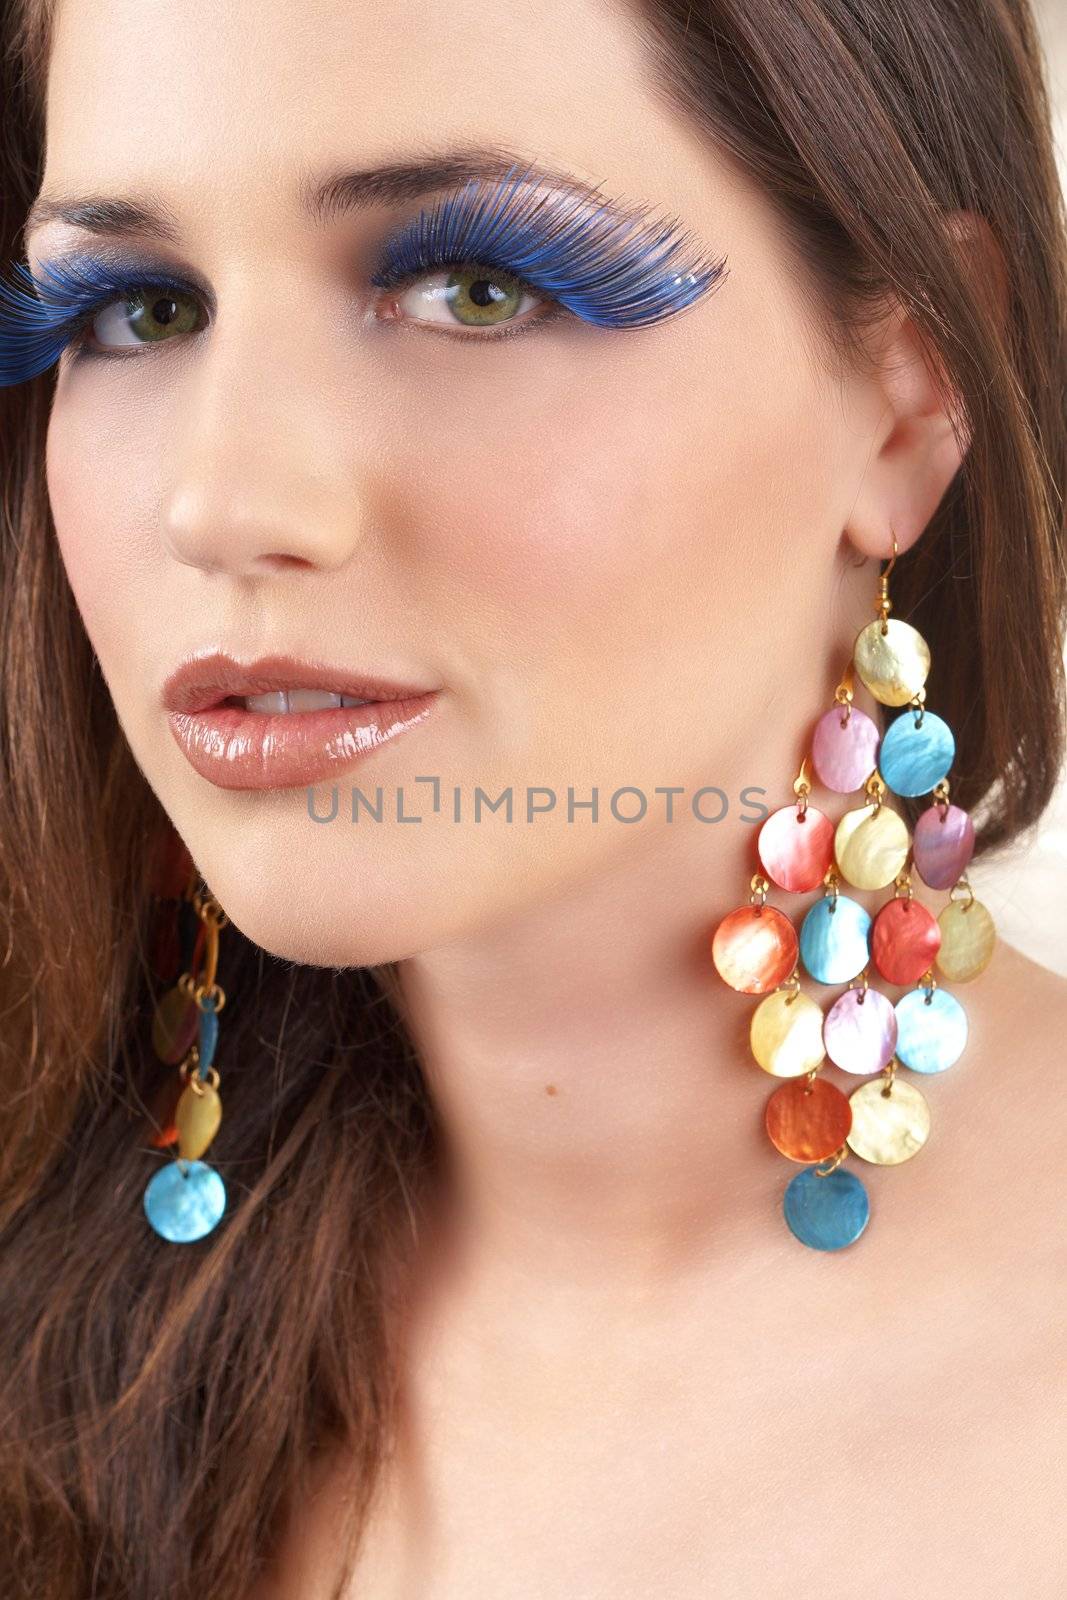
column 221, row 104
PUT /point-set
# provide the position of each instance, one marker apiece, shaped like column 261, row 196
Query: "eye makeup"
column 612, row 266
column 40, row 316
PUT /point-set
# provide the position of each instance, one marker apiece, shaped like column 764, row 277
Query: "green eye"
column 477, row 298
column 145, row 316
column 466, row 297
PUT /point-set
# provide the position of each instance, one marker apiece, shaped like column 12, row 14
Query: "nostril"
column 284, row 560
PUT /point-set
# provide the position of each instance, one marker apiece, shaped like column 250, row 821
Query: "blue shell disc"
column 915, row 755
column 826, row 1213
column 930, row 1037
column 834, row 939
column 209, row 1037
column 184, row 1205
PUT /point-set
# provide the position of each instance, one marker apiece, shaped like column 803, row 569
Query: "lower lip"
column 238, row 749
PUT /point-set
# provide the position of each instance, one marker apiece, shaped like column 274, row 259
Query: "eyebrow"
column 325, row 199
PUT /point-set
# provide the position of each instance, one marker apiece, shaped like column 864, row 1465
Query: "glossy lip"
column 203, row 681
column 238, row 749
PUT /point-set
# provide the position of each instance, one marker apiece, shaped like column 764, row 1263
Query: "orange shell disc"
column 808, row 1122
column 754, row 949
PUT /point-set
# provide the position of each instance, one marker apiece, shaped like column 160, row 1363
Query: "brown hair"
column 163, row 1406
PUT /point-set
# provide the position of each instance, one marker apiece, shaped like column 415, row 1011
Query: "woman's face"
column 605, row 543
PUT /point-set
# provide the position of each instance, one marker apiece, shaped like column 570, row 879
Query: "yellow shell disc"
column 871, row 846
column 197, row 1120
column 968, row 937
column 887, row 1128
column 786, row 1034
column 893, row 664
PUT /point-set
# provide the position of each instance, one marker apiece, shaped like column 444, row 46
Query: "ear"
column 922, row 437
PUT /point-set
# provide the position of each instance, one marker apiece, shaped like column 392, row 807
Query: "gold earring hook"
column 885, row 605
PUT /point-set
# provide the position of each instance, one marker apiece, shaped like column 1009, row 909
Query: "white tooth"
column 312, row 699
column 275, row 701
column 351, row 700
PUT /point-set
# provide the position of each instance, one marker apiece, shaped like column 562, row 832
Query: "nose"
column 264, row 472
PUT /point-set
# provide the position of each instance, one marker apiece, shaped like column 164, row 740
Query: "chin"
column 312, row 947
column 344, row 918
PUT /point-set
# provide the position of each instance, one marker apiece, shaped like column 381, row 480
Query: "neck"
column 590, row 1072
column 599, row 1107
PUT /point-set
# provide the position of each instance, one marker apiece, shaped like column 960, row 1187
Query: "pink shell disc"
column 943, row 844
column 860, row 1031
column 845, row 753
column 905, row 938
column 796, row 851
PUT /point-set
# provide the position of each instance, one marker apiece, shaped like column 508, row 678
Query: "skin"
column 618, row 1363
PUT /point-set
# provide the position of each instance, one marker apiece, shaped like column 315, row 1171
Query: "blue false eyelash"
column 615, row 270
column 39, row 316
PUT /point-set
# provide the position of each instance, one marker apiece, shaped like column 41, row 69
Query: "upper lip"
column 206, row 680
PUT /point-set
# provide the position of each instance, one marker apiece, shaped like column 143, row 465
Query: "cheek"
column 656, row 511
column 73, row 497
column 100, row 489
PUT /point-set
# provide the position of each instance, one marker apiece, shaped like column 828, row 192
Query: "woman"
column 563, row 383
